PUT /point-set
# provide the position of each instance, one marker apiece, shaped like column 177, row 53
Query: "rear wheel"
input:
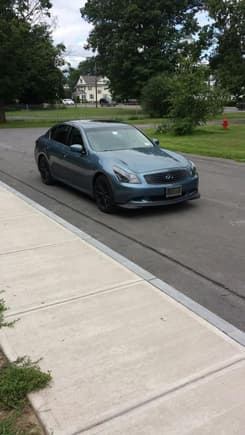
column 44, row 170
column 103, row 195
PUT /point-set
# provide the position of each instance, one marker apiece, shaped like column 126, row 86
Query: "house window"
column 91, row 96
column 90, row 88
column 99, row 91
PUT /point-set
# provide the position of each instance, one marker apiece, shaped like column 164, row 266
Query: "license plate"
column 173, row 191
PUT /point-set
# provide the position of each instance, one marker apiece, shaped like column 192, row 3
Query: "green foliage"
column 227, row 59
column 29, row 61
column 11, row 424
column 8, row 427
column 136, row 40
column 3, row 323
column 155, row 95
column 19, row 378
column 43, row 77
column 192, row 100
column 208, row 140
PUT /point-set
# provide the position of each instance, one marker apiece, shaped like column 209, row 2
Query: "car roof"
column 90, row 123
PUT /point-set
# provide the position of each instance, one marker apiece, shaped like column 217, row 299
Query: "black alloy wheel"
column 103, row 195
column 44, row 170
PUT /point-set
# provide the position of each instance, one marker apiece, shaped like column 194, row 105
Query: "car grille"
column 167, row 177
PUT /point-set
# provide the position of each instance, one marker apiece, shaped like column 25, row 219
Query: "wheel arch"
column 40, row 155
column 97, row 175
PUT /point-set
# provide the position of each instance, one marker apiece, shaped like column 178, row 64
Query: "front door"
column 77, row 164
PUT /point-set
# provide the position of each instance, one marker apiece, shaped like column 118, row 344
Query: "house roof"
column 90, row 80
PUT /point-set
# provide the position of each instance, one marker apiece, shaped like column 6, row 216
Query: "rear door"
column 59, row 137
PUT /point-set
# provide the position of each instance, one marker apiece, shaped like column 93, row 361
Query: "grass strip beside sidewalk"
column 17, row 380
column 211, row 140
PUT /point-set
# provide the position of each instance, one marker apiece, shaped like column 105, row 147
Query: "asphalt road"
column 197, row 247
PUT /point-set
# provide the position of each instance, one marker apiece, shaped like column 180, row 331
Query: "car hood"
column 145, row 159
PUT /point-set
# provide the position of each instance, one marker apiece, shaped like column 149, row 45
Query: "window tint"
column 60, row 133
column 76, row 138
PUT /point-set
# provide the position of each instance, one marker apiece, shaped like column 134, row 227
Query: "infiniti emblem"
column 169, row 177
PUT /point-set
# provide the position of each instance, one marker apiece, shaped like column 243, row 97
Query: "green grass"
column 77, row 113
column 3, row 323
column 211, row 141
column 19, row 378
column 48, row 123
column 13, row 424
column 8, row 426
column 231, row 115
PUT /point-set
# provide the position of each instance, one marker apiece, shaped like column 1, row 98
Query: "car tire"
column 44, row 170
column 103, row 195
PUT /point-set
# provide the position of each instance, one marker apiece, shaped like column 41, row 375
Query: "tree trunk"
column 2, row 113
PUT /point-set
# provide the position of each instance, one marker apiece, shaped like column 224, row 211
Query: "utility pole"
column 96, row 84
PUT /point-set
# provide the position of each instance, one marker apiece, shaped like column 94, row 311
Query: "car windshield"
column 115, row 138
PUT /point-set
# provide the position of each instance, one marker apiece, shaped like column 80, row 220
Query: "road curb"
column 221, row 324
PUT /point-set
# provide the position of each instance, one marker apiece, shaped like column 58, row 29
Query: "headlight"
column 193, row 169
column 125, row 177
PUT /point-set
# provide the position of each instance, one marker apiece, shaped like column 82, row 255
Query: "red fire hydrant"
column 225, row 123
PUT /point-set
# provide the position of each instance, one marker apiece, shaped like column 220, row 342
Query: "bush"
column 192, row 100
column 155, row 96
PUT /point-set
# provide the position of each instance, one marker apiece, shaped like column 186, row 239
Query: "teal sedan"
column 116, row 164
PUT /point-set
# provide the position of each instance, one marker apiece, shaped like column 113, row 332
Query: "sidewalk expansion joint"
column 32, row 248
column 101, row 291
column 160, row 396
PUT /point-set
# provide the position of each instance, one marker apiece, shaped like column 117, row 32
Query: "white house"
column 88, row 86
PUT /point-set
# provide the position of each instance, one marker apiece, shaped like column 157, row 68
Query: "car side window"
column 60, row 134
column 76, row 137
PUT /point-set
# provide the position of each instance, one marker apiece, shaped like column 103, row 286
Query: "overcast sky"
column 70, row 29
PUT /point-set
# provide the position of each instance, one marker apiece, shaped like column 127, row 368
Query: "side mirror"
column 76, row 148
column 155, row 142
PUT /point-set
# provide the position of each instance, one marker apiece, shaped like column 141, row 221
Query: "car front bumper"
column 142, row 195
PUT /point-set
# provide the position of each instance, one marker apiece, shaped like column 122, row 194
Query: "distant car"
column 107, row 103
column 68, row 102
column 116, row 164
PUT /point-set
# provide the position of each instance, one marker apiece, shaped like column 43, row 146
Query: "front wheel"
column 44, row 170
column 103, row 195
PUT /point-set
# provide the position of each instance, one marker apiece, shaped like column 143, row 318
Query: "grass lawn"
column 17, row 379
column 32, row 123
column 211, row 141
column 231, row 115
column 77, row 113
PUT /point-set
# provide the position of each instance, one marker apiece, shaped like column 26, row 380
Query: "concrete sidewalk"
column 125, row 357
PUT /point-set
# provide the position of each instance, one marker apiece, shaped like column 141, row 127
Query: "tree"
column 27, row 56
column 88, row 67
column 43, row 79
column 136, row 39
column 192, row 100
column 155, row 95
column 228, row 58
column 13, row 33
